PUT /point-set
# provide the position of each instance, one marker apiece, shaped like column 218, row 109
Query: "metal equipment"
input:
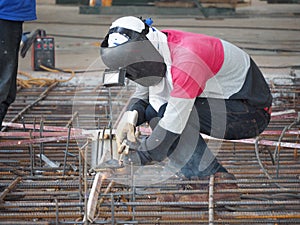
column 114, row 77
column 43, row 49
column 43, row 52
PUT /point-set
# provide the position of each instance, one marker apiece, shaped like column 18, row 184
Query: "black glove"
column 136, row 153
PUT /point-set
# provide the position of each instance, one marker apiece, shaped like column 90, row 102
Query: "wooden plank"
column 93, row 197
column 176, row 4
column 219, row 1
column 205, row 3
column 225, row 3
column 282, row 1
column 219, row 5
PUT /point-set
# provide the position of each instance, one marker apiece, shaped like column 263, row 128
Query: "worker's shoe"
column 195, row 184
column 225, row 189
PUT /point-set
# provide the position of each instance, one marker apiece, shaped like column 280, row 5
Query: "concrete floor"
column 269, row 32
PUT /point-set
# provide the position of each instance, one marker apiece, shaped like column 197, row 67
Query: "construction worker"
column 12, row 15
column 188, row 84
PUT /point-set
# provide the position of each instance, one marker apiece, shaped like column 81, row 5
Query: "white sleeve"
column 141, row 92
column 177, row 114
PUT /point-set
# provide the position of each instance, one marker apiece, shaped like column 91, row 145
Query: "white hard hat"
column 130, row 23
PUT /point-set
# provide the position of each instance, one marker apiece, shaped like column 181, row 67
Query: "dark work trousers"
column 10, row 37
column 223, row 119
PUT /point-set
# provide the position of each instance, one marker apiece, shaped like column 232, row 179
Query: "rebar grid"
column 34, row 192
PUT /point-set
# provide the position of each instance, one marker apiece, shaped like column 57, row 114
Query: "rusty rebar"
column 9, row 188
column 55, row 197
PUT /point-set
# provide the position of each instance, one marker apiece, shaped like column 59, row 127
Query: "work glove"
column 126, row 128
column 127, row 146
column 129, row 153
column 134, row 152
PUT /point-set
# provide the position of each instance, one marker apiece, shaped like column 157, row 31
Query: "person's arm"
column 133, row 116
column 139, row 102
column 169, row 128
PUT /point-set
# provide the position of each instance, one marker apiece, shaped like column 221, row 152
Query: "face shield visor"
column 138, row 56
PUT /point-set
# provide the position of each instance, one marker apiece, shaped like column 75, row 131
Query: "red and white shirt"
column 197, row 66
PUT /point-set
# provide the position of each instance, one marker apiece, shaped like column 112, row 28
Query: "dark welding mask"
column 126, row 46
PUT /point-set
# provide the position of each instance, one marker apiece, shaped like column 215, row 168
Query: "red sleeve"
column 195, row 59
column 189, row 74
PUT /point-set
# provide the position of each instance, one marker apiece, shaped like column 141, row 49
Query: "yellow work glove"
column 126, row 128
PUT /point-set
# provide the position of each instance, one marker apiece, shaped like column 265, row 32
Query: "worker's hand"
column 129, row 153
column 126, row 128
column 128, row 146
